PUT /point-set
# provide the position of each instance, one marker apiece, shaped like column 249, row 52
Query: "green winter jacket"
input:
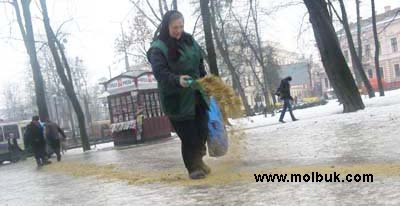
column 178, row 103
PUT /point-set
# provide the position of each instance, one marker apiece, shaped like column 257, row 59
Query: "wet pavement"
column 153, row 174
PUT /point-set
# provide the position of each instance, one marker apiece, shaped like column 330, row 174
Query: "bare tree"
column 222, row 46
column 211, row 56
column 333, row 60
column 14, row 109
column 356, row 61
column 257, row 49
column 62, row 67
column 377, row 46
column 175, row 4
column 359, row 41
column 25, row 26
column 135, row 41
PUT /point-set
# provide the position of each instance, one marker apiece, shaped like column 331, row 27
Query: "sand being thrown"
column 231, row 107
column 225, row 170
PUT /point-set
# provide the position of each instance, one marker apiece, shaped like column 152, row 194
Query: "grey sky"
column 95, row 26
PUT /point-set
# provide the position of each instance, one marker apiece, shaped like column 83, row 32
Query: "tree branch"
column 165, row 5
column 160, row 7
column 143, row 13
column 195, row 24
column 337, row 14
column 7, row 2
column 301, row 27
column 62, row 24
column 244, row 34
column 19, row 19
column 390, row 22
column 152, row 10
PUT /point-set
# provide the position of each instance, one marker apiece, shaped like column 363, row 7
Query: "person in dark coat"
column 284, row 93
column 10, row 149
column 176, row 59
column 13, row 148
column 34, row 138
column 53, row 137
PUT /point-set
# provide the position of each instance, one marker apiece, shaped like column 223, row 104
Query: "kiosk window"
column 122, row 108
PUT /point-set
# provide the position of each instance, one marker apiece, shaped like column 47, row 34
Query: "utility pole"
column 124, row 48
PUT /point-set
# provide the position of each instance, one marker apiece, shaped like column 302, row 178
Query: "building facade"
column 388, row 26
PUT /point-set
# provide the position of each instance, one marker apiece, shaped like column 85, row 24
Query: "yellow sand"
column 221, row 175
column 229, row 102
column 226, row 170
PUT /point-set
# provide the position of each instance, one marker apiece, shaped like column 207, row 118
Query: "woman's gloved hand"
column 185, row 80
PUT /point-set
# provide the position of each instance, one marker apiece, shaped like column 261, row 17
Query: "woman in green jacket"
column 176, row 60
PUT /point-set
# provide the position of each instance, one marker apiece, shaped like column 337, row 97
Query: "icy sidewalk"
column 323, row 140
column 392, row 98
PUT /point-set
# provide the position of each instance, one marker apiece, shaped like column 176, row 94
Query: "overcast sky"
column 96, row 24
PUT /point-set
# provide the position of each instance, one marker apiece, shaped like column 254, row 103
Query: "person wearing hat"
column 176, row 61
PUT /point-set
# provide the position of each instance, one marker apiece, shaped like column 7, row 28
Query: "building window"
column 397, row 70
column 393, row 42
column 367, row 51
column 346, row 55
column 370, row 73
column 8, row 129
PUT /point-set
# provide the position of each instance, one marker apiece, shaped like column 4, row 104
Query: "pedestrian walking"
column 284, row 94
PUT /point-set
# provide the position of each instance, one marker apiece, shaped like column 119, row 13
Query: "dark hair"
column 35, row 118
column 166, row 21
column 172, row 43
column 289, row 78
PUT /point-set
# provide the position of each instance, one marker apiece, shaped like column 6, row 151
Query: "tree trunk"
column 71, row 119
column 360, row 53
column 212, row 57
column 29, row 41
column 253, row 69
column 52, row 40
column 333, row 60
column 356, row 61
column 225, row 55
column 165, row 5
column 261, row 59
column 377, row 45
column 175, row 4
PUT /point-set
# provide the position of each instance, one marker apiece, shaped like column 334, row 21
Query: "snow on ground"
column 324, row 140
column 391, row 98
column 332, row 111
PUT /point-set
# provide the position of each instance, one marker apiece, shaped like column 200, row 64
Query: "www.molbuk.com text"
column 314, row 177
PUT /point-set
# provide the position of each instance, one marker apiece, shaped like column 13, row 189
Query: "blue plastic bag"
column 217, row 141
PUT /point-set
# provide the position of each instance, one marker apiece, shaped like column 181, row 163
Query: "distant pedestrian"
column 53, row 137
column 13, row 148
column 34, row 139
column 284, row 94
column 139, row 124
